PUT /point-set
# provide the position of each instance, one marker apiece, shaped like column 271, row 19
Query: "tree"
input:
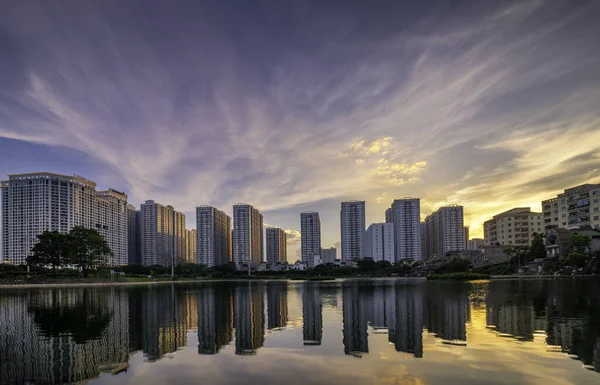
column 50, row 250
column 366, row 265
column 456, row 265
column 87, row 249
column 518, row 254
column 537, row 249
column 579, row 244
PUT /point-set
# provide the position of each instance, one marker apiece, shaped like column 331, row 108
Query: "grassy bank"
column 458, row 276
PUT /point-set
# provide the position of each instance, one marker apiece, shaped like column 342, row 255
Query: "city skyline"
column 156, row 233
column 297, row 113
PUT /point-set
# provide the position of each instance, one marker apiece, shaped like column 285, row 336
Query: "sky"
column 298, row 105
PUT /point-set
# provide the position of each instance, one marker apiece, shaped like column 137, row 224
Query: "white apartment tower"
column 329, row 255
column 162, row 235
column 513, row 227
column 352, row 222
column 379, row 242
column 405, row 215
column 276, row 245
column 247, row 234
column 310, row 237
column 576, row 207
column 35, row 202
column 213, row 236
column 444, row 232
column 111, row 223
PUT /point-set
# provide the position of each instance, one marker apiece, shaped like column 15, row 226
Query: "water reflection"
column 71, row 335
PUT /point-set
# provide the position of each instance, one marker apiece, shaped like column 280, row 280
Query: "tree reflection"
column 80, row 316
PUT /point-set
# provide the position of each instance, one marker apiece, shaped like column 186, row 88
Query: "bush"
column 458, row 276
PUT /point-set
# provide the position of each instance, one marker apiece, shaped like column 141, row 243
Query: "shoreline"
column 100, row 284
column 308, row 279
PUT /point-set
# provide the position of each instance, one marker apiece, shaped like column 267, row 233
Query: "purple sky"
column 294, row 106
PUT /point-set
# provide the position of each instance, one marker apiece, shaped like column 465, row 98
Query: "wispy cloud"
column 480, row 107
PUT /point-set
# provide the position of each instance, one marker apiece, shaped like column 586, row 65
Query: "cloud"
column 479, row 106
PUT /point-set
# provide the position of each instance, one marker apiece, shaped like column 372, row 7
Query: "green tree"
column 366, row 265
column 537, row 249
column 579, row 244
column 87, row 249
column 456, row 265
column 518, row 254
column 50, row 250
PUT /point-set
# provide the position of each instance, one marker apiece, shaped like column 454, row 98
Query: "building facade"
column 577, row 207
column 405, row 216
column 162, row 237
column 310, row 237
column 514, row 227
column 352, row 222
column 475, row 244
column 276, row 245
column 444, row 232
column 329, row 255
column 379, row 242
column 213, row 236
column 134, row 226
column 247, row 234
column 111, row 222
column 35, row 202
column 190, row 246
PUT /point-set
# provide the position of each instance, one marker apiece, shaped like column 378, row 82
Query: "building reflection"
column 62, row 336
column 277, row 307
column 355, row 319
column 249, row 318
column 312, row 314
column 73, row 335
column 215, row 318
column 447, row 311
column 407, row 331
column 566, row 311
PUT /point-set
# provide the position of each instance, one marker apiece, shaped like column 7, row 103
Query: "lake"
column 384, row 331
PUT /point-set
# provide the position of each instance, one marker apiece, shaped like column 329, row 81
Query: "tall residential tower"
column 162, row 235
column 310, row 237
column 35, row 202
column 247, row 234
column 276, row 245
column 352, row 221
column 444, row 232
column 213, row 236
column 405, row 215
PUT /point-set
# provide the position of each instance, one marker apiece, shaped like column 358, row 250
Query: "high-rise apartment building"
column 444, row 232
column 352, row 222
column 475, row 244
column 134, row 227
column 576, row 207
column 310, row 237
column 513, row 227
column 379, row 242
column 162, row 235
column 276, row 245
column 405, row 215
column 35, row 202
column 466, row 235
column 329, row 255
column 179, row 229
column 190, row 246
column 247, row 234
column 111, row 222
column 213, row 236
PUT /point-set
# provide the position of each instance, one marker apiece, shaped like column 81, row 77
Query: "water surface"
column 344, row 332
